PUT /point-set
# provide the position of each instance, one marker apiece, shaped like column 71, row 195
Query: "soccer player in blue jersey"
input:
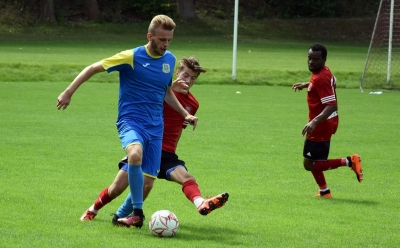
column 145, row 76
column 172, row 168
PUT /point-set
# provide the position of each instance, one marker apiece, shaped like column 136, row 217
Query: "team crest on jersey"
column 187, row 109
column 166, row 68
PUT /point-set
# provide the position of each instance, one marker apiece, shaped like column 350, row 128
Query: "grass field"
column 265, row 55
column 54, row 163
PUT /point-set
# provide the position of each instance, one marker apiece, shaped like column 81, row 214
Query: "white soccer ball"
column 164, row 223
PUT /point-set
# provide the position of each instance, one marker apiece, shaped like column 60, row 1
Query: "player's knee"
column 308, row 165
column 135, row 158
column 190, row 178
column 180, row 175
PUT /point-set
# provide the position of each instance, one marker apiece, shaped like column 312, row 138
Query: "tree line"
column 27, row 12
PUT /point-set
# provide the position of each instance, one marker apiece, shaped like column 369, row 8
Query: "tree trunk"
column 186, row 9
column 92, row 10
column 47, row 11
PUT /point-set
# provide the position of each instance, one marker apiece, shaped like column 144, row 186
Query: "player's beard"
column 155, row 49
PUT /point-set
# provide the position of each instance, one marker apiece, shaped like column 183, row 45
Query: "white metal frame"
column 235, row 27
column 389, row 43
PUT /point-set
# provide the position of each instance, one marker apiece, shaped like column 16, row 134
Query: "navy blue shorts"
column 316, row 150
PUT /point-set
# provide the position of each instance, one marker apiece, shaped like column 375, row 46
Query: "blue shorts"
column 169, row 162
column 151, row 145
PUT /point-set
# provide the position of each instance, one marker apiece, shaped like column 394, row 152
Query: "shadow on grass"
column 188, row 232
column 218, row 234
column 354, row 201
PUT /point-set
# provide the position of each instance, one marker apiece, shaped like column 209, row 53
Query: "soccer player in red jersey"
column 323, row 122
column 171, row 168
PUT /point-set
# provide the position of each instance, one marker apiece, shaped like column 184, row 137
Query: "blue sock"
column 126, row 208
column 136, row 181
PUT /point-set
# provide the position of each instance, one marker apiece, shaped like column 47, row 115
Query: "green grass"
column 54, row 163
column 270, row 52
column 270, row 64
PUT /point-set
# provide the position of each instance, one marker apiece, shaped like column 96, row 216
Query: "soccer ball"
column 164, row 223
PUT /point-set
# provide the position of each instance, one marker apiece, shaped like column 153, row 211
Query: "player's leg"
column 108, row 194
column 173, row 169
column 321, row 149
column 191, row 190
column 136, row 180
column 120, row 184
column 148, row 186
column 133, row 141
column 316, row 156
column 353, row 161
column 125, row 211
column 150, row 167
column 317, row 151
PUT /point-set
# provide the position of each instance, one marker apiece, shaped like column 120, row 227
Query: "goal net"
column 382, row 66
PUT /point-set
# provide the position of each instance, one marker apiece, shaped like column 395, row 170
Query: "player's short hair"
column 161, row 21
column 192, row 63
column 320, row 48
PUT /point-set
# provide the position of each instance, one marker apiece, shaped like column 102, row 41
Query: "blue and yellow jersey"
column 144, row 80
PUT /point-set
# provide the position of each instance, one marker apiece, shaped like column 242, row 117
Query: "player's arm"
column 328, row 110
column 299, row 86
column 64, row 98
column 170, row 98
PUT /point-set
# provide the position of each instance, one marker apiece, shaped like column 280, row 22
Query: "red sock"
column 102, row 200
column 329, row 164
column 191, row 190
column 319, row 178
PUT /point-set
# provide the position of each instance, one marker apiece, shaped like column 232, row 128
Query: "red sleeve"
column 326, row 87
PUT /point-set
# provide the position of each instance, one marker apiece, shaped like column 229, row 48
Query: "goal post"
column 382, row 65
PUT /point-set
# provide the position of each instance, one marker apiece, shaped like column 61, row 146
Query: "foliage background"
column 27, row 12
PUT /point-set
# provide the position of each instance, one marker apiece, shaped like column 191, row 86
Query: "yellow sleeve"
column 122, row 58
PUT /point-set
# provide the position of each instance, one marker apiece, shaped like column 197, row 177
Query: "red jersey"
column 175, row 122
column 322, row 92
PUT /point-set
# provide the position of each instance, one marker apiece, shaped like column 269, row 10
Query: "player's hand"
column 192, row 120
column 180, row 86
column 299, row 86
column 308, row 128
column 63, row 100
